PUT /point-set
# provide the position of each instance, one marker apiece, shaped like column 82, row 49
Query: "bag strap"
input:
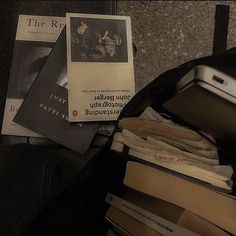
column 221, row 29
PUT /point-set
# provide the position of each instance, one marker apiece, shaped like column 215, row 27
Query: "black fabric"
column 125, row 150
column 221, row 29
column 30, row 177
column 80, row 209
column 43, row 181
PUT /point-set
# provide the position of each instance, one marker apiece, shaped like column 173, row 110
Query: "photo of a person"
column 83, row 46
column 32, row 55
column 98, row 40
column 107, row 45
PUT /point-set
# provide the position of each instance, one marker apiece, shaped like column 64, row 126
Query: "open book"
column 175, row 160
column 173, row 147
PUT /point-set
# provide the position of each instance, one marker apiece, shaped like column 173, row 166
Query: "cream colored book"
column 155, row 222
column 129, row 224
column 197, row 224
column 100, row 66
column 203, row 172
column 192, row 156
column 179, row 136
column 210, row 153
column 126, row 225
column 176, row 160
column 150, row 114
column 208, row 204
column 154, row 127
column 154, row 146
column 35, row 37
column 173, row 213
column 163, row 209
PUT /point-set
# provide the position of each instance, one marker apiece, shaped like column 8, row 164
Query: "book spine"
column 117, row 228
column 155, row 222
column 213, row 206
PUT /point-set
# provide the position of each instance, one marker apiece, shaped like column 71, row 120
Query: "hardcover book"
column 215, row 207
column 45, row 108
column 34, row 40
column 100, row 66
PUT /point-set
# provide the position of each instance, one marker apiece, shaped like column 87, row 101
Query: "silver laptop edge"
column 213, row 77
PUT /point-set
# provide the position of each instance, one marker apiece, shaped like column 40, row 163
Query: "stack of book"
column 70, row 78
column 175, row 183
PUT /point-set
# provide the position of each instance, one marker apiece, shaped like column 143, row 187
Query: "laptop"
column 206, row 98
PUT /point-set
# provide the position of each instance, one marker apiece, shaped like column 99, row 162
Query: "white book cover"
column 155, row 222
column 35, row 37
column 100, row 66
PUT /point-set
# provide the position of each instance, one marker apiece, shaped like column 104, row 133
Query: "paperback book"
column 159, row 224
column 215, row 207
column 45, row 109
column 34, row 40
column 100, row 66
column 141, row 214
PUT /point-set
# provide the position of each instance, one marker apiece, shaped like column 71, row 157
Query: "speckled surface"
column 169, row 33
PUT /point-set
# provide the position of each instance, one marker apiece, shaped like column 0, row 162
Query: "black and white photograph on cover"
column 32, row 56
column 62, row 78
column 98, row 40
